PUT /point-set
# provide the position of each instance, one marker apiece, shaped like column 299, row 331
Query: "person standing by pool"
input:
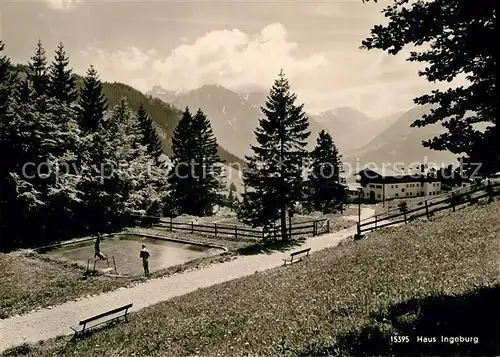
column 144, row 254
column 97, row 248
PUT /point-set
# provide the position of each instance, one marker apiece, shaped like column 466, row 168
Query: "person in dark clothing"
column 144, row 254
column 97, row 248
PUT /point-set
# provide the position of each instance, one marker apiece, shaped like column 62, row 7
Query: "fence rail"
column 313, row 227
column 449, row 200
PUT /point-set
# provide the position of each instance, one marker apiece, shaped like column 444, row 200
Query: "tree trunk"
column 284, row 233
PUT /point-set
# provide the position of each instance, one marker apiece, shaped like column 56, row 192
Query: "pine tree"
column 105, row 185
column 455, row 37
column 208, row 162
column 37, row 74
column 93, row 103
column 61, row 84
column 274, row 175
column 327, row 191
column 194, row 180
column 7, row 80
column 6, row 153
column 150, row 137
column 179, row 179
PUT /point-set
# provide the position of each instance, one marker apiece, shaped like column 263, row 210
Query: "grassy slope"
column 347, row 300
column 30, row 282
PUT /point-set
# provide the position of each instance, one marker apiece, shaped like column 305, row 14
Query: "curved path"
column 48, row 323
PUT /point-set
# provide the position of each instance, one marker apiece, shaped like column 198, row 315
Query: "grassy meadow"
column 437, row 278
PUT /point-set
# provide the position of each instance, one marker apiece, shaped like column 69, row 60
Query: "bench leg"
column 126, row 320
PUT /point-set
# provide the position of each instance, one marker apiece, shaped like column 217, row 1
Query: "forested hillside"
column 165, row 116
column 78, row 156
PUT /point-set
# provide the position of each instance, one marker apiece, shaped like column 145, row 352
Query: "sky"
column 237, row 44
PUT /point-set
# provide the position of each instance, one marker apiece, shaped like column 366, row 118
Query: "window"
column 392, row 186
column 402, row 190
column 396, row 195
column 411, row 193
column 396, row 186
column 372, row 186
column 378, row 196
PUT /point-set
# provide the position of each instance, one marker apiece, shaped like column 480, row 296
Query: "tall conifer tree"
column 38, row 74
column 179, row 177
column 207, row 166
column 326, row 189
column 274, row 175
column 149, row 137
column 195, row 185
column 7, row 156
column 93, row 103
column 62, row 84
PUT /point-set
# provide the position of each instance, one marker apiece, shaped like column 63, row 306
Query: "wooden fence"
column 313, row 227
column 430, row 206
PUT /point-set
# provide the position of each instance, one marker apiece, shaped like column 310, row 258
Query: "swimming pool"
column 125, row 250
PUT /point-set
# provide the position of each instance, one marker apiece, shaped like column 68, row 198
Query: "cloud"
column 227, row 57
column 63, row 5
column 368, row 80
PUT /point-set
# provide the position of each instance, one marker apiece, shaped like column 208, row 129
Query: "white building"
column 377, row 186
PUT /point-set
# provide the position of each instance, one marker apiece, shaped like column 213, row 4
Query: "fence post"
column 490, row 192
column 327, row 226
column 426, row 209
column 453, row 201
column 215, row 229
column 192, row 227
column 404, row 214
column 358, row 228
column 314, row 228
column 375, row 221
column 235, row 231
column 170, row 224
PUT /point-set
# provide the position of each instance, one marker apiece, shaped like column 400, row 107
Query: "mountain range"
column 361, row 139
column 234, row 116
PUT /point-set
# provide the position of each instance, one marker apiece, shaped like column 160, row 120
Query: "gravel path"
column 48, row 323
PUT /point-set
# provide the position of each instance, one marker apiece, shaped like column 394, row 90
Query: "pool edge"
column 81, row 240
column 172, row 239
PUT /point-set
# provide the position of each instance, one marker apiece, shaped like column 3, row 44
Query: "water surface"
column 125, row 250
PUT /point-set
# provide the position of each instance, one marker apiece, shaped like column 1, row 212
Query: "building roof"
column 353, row 186
column 383, row 172
column 392, row 176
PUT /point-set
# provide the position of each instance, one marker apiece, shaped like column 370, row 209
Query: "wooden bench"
column 301, row 254
column 105, row 317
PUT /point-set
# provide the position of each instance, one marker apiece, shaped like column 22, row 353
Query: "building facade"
column 376, row 187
